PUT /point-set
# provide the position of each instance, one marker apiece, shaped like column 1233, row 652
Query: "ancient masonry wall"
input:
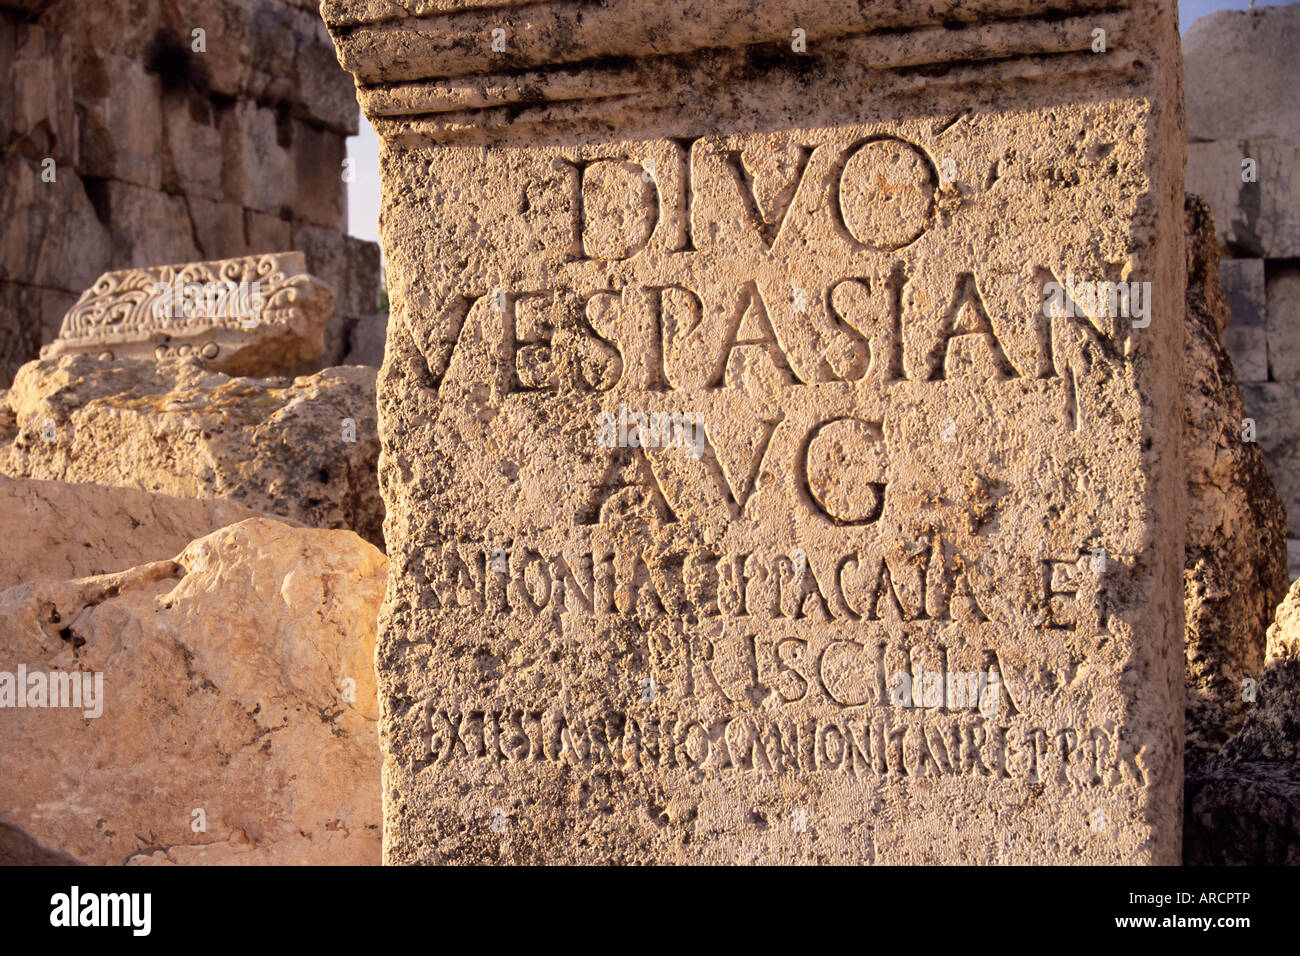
column 162, row 153
column 1243, row 129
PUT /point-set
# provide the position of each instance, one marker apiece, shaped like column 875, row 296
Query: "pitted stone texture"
column 1236, row 560
column 58, row 530
column 1244, row 809
column 250, row 316
column 225, row 677
column 888, row 460
column 278, row 446
column 266, row 50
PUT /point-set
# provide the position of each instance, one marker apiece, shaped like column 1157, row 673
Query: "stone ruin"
column 1242, row 798
column 166, row 608
column 1234, row 564
column 771, row 472
column 1243, row 157
column 188, row 615
column 134, row 134
column 916, row 599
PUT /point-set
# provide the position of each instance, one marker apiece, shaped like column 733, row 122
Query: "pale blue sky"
column 363, row 192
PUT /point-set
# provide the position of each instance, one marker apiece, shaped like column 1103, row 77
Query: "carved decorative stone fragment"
column 248, row 316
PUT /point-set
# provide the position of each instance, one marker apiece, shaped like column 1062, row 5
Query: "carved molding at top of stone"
column 246, row 316
column 470, row 70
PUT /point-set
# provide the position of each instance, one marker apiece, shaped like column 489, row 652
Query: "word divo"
column 77, row 690
column 188, row 300
column 651, row 430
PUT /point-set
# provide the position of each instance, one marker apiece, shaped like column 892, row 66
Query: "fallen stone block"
column 53, row 529
column 304, row 449
column 218, row 708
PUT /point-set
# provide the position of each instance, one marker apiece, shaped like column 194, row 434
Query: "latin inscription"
column 927, row 581
column 1081, row 758
column 772, row 471
column 784, row 662
column 881, row 325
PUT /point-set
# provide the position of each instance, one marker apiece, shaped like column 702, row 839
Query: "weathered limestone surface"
column 1246, row 73
column 278, row 446
column 1259, row 217
column 52, row 529
column 1244, row 809
column 888, row 463
column 351, row 266
column 1241, row 80
column 1236, row 562
column 275, row 51
column 1275, row 409
column 165, row 152
column 252, row 316
column 1275, row 403
column 224, row 690
column 1244, row 158
column 366, row 343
